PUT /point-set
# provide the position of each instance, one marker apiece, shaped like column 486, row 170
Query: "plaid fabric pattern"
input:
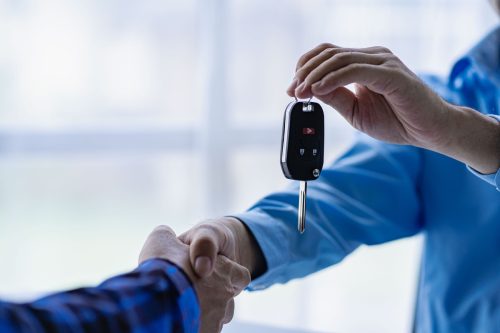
column 156, row 297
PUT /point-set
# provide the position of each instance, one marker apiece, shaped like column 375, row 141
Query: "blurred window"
column 116, row 116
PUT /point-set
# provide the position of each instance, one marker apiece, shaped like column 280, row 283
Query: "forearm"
column 472, row 138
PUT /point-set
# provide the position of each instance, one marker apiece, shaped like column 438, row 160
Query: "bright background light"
column 117, row 116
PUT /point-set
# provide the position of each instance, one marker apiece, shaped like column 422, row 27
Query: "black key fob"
column 302, row 141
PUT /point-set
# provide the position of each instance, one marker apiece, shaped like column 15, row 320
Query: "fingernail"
column 203, row 266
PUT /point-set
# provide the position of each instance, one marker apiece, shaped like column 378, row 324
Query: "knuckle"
column 247, row 278
column 302, row 60
column 229, row 293
column 208, row 227
column 354, row 67
column 325, row 46
column 343, row 55
column 209, row 233
column 393, row 64
column 388, row 56
column 331, row 51
column 244, row 281
column 162, row 229
column 383, row 49
column 394, row 71
column 396, row 60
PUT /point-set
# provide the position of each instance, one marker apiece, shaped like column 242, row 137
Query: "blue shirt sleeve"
column 156, row 297
column 492, row 178
column 368, row 196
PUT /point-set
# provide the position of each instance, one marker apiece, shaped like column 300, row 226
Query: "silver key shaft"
column 302, row 206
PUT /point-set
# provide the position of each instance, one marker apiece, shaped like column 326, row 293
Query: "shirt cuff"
column 492, row 178
column 187, row 299
column 270, row 241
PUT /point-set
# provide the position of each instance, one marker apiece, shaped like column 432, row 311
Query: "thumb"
column 206, row 242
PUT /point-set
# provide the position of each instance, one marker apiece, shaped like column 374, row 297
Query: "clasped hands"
column 210, row 257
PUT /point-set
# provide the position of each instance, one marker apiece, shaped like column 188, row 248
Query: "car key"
column 302, row 148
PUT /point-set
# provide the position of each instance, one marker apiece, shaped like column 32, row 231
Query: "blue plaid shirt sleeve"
column 156, row 297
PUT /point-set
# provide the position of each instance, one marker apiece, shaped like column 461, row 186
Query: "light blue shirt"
column 378, row 192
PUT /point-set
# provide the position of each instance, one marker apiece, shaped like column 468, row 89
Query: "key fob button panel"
column 302, row 141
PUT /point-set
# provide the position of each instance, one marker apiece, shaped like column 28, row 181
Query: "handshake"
column 219, row 257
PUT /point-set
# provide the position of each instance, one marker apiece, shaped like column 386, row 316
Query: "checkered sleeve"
column 156, row 297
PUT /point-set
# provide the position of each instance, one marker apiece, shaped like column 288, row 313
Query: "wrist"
column 248, row 251
column 472, row 138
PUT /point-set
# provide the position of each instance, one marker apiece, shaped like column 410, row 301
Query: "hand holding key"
column 392, row 104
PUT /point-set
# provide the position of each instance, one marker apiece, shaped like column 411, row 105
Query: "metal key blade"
column 302, row 206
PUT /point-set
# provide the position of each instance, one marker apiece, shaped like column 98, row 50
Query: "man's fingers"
column 304, row 70
column 376, row 78
column 327, row 57
column 311, row 54
column 333, row 65
column 206, row 242
column 314, row 62
column 303, row 60
column 339, row 61
column 345, row 55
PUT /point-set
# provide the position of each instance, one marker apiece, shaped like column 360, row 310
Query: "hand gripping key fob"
column 302, row 141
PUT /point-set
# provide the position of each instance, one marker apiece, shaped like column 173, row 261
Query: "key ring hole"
column 307, row 102
column 306, row 106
